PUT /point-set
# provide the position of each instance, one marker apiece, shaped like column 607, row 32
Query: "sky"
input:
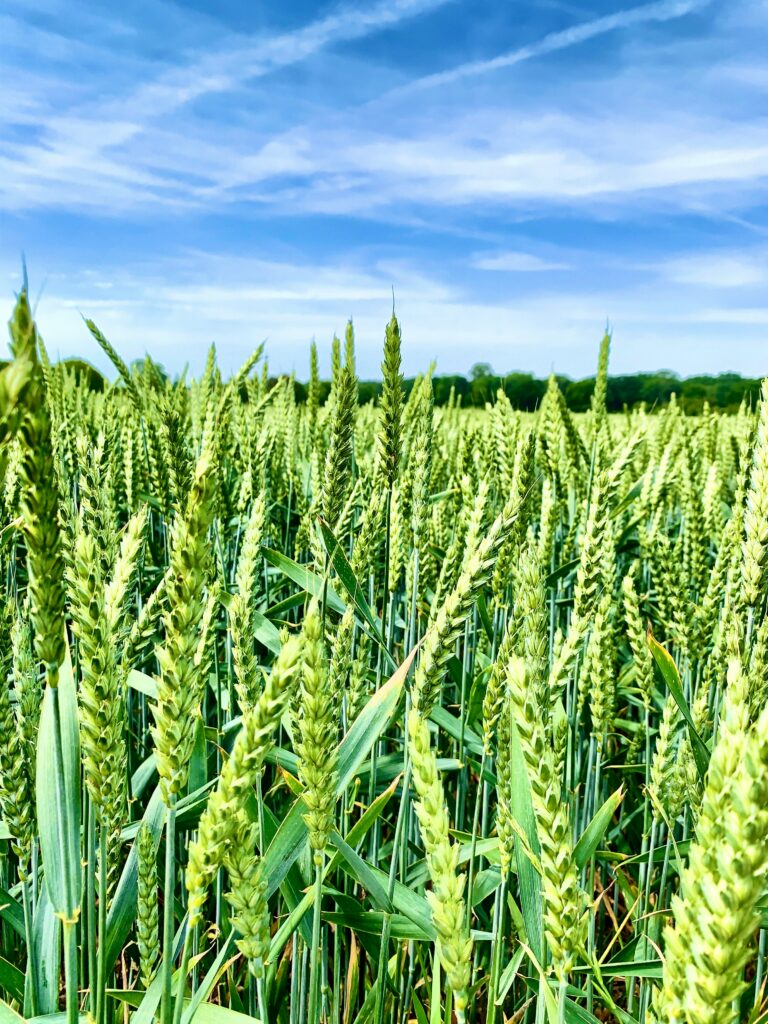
column 516, row 175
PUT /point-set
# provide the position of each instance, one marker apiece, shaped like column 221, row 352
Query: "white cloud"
column 515, row 262
column 748, row 316
column 719, row 269
column 582, row 162
column 507, row 159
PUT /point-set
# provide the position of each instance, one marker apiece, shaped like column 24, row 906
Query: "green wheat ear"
column 391, row 405
column 247, row 894
column 565, row 903
column 181, row 681
column 447, row 896
column 715, row 915
column 338, row 463
column 147, row 919
column 17, row 764
column 238, row 776
column 24, row 410
column 242, row 603
column 318, row 727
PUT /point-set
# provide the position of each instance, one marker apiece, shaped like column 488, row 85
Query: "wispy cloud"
column 515, row 262
column 73, row 144
column 143, row 151
column 552, row 42
column 223, row 69
column 511, row 160
column 719, row 269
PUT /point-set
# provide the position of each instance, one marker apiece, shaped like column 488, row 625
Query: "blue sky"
column 517, row 173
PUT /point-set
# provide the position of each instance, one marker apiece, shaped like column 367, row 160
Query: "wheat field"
column 377, row 714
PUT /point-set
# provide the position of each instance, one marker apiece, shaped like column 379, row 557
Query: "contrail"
column 663, row 10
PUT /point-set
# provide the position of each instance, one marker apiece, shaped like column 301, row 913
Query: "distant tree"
column 481, row 371
column 657, row 388
column 367, row 391
column 523, row 390
column 578, row 394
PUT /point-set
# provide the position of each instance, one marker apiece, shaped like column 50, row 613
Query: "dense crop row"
column 377, row 714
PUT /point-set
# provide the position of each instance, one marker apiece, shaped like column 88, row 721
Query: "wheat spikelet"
column 564, row 901
column 180, row 686
column 446, row 898
column 238, row 776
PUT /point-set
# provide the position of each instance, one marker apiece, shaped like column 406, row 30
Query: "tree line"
column 725, row 391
